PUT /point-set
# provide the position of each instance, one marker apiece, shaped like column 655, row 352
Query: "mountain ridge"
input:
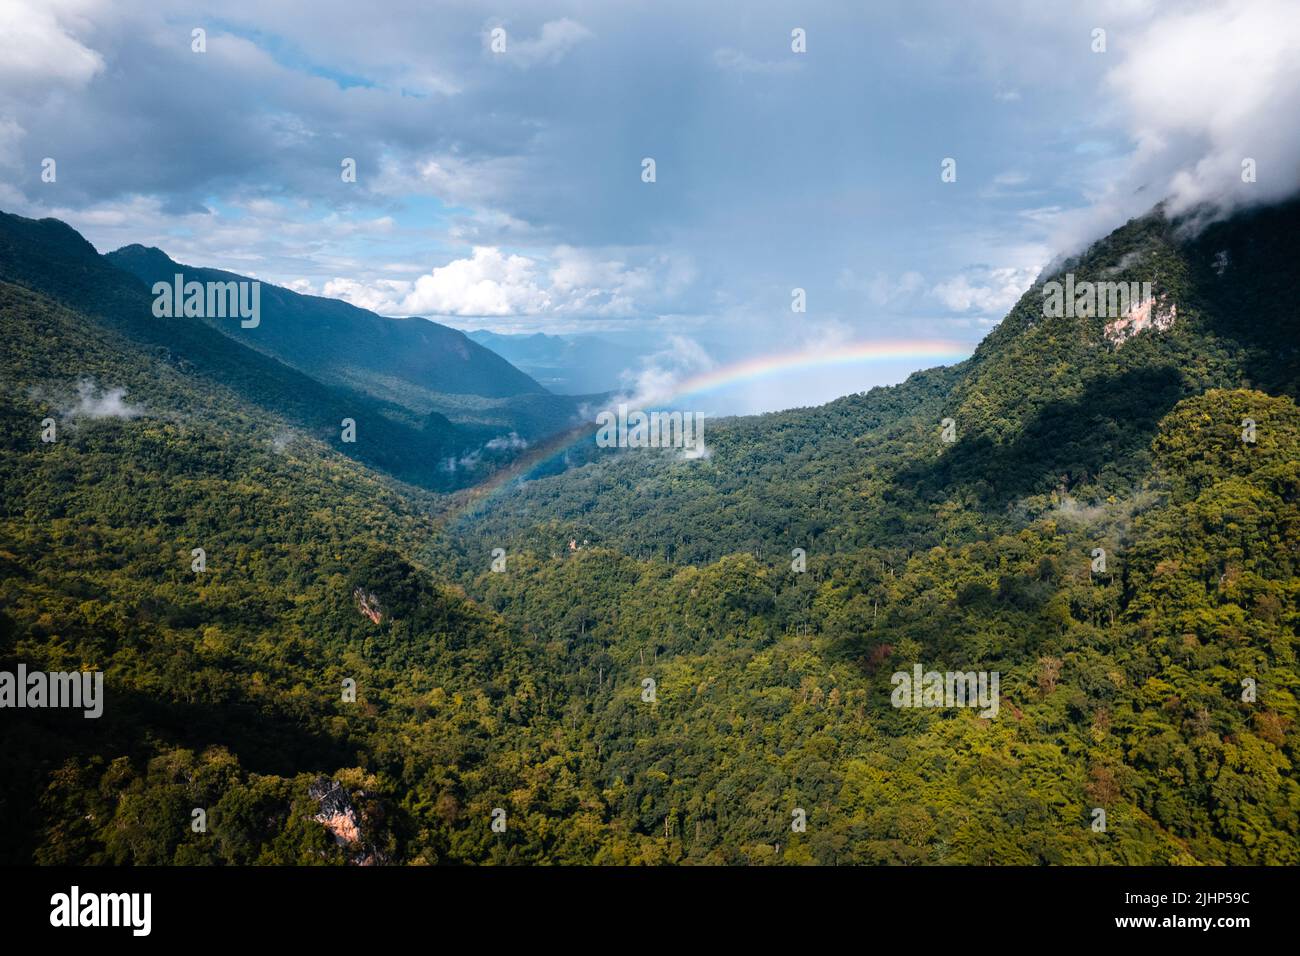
column 53, row 259
column 314, row 332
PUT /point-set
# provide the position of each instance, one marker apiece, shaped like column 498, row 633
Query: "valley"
column 519, row 686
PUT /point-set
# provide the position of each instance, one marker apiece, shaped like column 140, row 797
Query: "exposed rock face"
column 1147, row 313
column 337, row 815
column 336, row 811
column 368, row 605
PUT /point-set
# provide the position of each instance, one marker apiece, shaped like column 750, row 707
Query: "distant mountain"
column 51, row 258
column 568, row 364
column 413, row 362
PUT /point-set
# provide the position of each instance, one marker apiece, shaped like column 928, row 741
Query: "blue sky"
column 503, row 190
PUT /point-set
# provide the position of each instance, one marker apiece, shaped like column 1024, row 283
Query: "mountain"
column 1099, row 533
column 413, row 363
column 52, row 259
column 1046, row 408
column 568, row 364
column 645, row 659
column 222, row 683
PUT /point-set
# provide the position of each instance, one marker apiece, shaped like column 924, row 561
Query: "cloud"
column 507, row 442
column 459, row 150
column 556, row 39
column 39, row 60
column 1198, row 91
column 984, row 290
column 698, row 451
column 491, row 283
column 487, row 283
column 661, row 373
column 283, row 440
column 1204, row 90
column 605, row 284
column 93, row 404
column 384, row 296
column 882, row 289
column 978, row 295
column 456, row 180
column 37, row 48
column 10, row 135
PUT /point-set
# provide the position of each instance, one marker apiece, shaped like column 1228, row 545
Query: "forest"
column 500, row 712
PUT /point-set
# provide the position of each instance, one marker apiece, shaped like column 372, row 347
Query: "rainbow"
column 763, row 366
column 753, row 369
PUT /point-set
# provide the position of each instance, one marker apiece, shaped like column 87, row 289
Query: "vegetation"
column 1162, row 689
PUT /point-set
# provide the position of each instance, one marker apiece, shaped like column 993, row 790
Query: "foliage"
column 523, row 690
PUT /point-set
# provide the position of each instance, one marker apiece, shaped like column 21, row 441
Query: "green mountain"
column 50, row 258
column 415, row 364
column 334, row 340
column 1045, row 409
column 225, row 681
column 628, row 661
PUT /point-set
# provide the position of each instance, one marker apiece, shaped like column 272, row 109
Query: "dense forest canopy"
column 625, row 657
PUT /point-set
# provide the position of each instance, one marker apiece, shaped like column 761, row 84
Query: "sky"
column 500, row 183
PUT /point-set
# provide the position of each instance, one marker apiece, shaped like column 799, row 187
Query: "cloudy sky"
column 503, row 190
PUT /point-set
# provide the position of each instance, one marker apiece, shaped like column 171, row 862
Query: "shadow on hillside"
column 1246, row 273
column 35, row 743
column 1103, row 435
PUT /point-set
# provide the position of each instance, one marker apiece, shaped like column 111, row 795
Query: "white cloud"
column 37, row 45
column 92, row 403
column 1197, row 89
column 509, row 442
column 488, row 283
column 381, row 295
column 492, row 283
column 555, row 40
column 987, row 291
column 1205, row 89
column 588, row 282
column 661, row 373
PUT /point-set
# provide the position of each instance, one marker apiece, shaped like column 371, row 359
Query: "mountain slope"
column 222, row 686
column 1158, row 687
column 412, row 363
column 51, row 258
column 1045, row 408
